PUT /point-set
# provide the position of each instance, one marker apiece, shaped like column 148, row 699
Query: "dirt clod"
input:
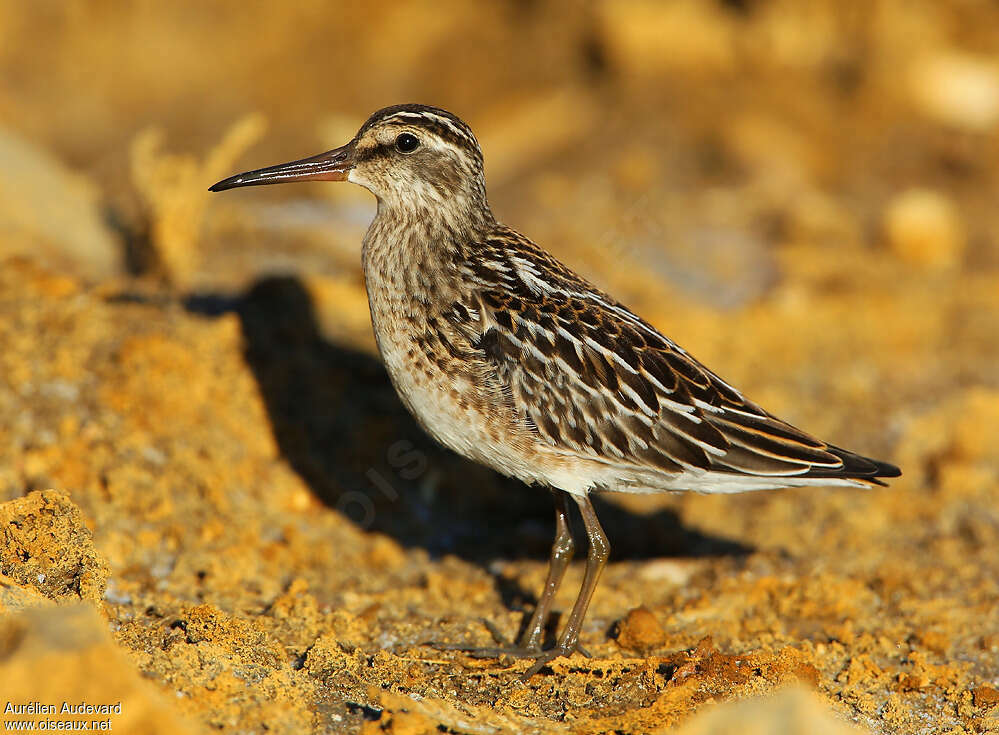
column 640, row 631
column 46, row 545
column 985, row 697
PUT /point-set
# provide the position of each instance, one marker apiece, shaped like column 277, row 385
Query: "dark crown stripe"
column 439, row 122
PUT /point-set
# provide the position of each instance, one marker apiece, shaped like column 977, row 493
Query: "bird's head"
column 412, row 157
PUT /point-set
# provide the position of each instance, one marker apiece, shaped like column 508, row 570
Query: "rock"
column 789, row 712
column 934, row 641
column 985, row 697
column 50, row 212
column 174, row 188
column 640, row 631
column 81, row 665
column 957, row 89
column 45, row 545
column 923, row 228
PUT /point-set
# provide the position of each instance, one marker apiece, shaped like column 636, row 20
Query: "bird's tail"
column 856, row 466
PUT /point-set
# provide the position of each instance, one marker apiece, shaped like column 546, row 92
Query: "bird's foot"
column 503, row 647
column 546, row 657
column 525, row 649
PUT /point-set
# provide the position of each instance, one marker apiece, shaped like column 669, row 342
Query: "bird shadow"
column 341, row 426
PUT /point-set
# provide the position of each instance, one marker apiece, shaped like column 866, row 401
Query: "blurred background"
column 692, row 138
column 803, row 194
column 711, row 153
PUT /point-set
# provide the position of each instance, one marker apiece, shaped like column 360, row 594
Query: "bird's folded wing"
column 592, row 378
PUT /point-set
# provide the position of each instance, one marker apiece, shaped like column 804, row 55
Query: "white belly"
column 460, row 402
column 458, row 405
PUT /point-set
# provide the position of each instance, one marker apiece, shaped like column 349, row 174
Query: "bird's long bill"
column 332, row 165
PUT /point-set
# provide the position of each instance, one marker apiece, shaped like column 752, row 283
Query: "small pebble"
column 640, row 631
column 985, row 697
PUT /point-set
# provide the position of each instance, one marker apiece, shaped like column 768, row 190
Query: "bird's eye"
column 407, row 143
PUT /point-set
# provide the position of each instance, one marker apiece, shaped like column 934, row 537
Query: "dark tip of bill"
column 231, row 183
column 220, row 186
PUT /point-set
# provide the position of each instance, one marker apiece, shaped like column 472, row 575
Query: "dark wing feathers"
column 855, row 465
column 593, row 378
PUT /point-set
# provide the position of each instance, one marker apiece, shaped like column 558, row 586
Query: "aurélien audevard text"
column 63, row 708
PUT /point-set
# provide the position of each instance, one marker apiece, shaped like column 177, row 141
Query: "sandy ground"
column 215, row 511
column 202, row 455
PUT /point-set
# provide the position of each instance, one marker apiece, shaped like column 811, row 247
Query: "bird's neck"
column 416, row 240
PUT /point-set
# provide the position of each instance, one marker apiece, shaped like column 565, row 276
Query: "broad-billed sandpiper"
column 509, row 358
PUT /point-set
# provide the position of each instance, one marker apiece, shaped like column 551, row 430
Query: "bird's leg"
column 530, row 643
column 595, row 561
column 561, row 555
